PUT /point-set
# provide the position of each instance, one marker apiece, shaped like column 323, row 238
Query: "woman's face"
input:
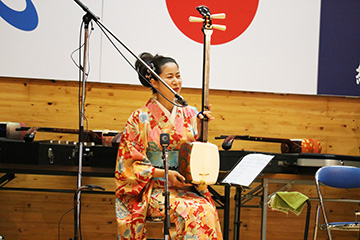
column 171, row 75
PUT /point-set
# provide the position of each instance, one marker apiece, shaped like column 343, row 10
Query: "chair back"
column 339, row 176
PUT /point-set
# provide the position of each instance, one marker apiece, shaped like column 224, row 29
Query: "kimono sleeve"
column 133, row 169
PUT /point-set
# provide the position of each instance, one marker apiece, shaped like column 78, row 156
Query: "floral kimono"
column 139, row 195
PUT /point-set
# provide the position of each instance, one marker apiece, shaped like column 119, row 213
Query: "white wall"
column 278, row 52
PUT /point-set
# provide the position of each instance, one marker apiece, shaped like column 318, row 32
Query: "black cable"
column 61, row 220
column 80, row 67
column 80, row 232
column 86, row 74
column 77, row 49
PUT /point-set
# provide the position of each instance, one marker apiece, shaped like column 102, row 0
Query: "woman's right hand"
column 177, row 180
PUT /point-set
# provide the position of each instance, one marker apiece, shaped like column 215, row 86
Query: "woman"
column 139, row 174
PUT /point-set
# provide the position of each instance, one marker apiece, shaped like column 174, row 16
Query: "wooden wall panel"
column 46, row 103
column 332, row 120
column 28, row 214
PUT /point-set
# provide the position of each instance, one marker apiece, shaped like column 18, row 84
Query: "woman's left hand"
column 201, row 116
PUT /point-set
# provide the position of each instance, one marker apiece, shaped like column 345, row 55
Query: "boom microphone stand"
column 179, row 99
column 86, row 19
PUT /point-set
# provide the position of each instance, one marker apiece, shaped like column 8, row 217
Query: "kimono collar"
column 180, row 115
column 171, row 116
column 160, row 113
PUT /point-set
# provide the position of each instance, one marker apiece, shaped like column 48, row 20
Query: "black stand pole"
column 165, row 141
column 226, row 212
column 237, row 221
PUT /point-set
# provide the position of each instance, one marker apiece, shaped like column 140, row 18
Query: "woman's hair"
column 155, row 62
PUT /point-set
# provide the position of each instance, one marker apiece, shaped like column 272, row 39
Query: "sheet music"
column 248, row 169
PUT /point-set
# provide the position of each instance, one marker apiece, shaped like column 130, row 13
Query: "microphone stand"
column 165, row 141
column 77, row 211
column 179, row 98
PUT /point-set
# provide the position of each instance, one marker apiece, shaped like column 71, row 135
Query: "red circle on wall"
column 239, row 15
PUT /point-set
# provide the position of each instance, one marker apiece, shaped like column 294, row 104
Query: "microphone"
column 180, row 100
column 164, row 139
column 227, row 144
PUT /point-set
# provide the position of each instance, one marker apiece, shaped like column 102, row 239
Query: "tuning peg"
column 195, row 19
column 218, row 16
column 219, row 27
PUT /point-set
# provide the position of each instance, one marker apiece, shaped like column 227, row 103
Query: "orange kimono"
column 139, row 194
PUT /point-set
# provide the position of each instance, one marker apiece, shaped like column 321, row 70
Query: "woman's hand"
column 177, row 180
column 201, row 115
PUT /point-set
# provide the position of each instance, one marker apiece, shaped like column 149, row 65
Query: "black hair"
column 155, row 63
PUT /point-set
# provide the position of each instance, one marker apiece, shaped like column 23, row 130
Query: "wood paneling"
column 332, row 120
column 46, row 103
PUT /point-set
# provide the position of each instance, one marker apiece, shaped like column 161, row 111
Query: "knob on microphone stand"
column 164, row 142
